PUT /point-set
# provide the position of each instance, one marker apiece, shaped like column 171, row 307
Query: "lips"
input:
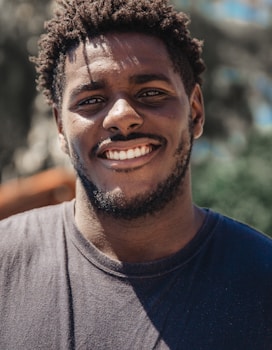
column 130, row 150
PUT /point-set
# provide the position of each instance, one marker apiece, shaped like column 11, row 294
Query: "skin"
column 119, row 84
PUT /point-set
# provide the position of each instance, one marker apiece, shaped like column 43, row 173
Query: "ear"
column 62, row 138
column 197, row 111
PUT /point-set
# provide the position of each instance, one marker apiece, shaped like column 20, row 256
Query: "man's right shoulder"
column 30, row 228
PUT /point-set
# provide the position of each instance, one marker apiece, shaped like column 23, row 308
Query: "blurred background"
column 232, row 162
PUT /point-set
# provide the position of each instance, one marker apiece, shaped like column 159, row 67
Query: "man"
column 131, row 263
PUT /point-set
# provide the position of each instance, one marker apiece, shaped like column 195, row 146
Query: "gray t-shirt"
column 59, row 292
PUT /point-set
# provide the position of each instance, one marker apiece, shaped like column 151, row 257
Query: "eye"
column 152, row 97
column 91, row 101
column 151, row 93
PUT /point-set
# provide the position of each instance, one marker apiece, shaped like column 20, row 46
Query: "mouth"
column 130, row 153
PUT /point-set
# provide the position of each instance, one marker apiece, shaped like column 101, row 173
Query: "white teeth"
column 111, row 154
column 137, row 152
column 116, row 155
column 129, row 154
column 144, row 150
column 123, row 155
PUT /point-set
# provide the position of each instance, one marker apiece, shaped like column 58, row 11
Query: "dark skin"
column 129, row 85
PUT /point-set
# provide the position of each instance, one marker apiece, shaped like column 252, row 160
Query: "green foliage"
column 240, row 187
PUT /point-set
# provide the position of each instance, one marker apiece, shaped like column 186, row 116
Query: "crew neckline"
column 139, row 270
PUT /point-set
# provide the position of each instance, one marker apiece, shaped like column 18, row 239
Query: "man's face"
column 127, row 123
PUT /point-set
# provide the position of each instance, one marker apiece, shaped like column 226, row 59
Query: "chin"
column 128, row 205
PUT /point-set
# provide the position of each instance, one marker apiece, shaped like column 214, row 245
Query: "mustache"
column 135, row 136
column 132, row 136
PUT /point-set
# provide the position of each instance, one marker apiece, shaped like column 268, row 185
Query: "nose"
column 122, row 117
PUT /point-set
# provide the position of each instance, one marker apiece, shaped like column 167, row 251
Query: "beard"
column 148, row 203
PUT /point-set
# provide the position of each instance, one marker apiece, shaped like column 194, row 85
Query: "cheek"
column 79, row 146
column 176, row 114
column 79, row 134
column 178, row 130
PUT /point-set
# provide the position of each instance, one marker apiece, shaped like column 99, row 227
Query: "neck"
column 145, row 239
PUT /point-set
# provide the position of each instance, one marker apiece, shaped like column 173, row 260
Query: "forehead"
column 118, row 53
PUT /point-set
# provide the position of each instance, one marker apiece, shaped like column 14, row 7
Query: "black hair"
column 76, row 20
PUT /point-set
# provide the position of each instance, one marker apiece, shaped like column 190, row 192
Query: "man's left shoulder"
column 242, row 231
column 246, row 244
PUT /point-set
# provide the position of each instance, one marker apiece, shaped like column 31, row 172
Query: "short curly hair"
column 76, row 20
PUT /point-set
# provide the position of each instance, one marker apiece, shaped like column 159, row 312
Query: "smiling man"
column 131, row 263
column 128, row 125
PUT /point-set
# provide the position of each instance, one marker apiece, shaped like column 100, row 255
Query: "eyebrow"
column 91, row 86
column 146, row 78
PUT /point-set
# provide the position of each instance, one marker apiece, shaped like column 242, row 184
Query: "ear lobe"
column 197, row 111
column 61, row 135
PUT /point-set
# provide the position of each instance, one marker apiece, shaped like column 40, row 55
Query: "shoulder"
column 32, row 218
column 237, row 232
column 244, row 246
column 34, row 228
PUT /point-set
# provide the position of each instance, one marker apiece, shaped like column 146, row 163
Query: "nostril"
column 133, row 126
column 113, row 129
column 130, row 127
